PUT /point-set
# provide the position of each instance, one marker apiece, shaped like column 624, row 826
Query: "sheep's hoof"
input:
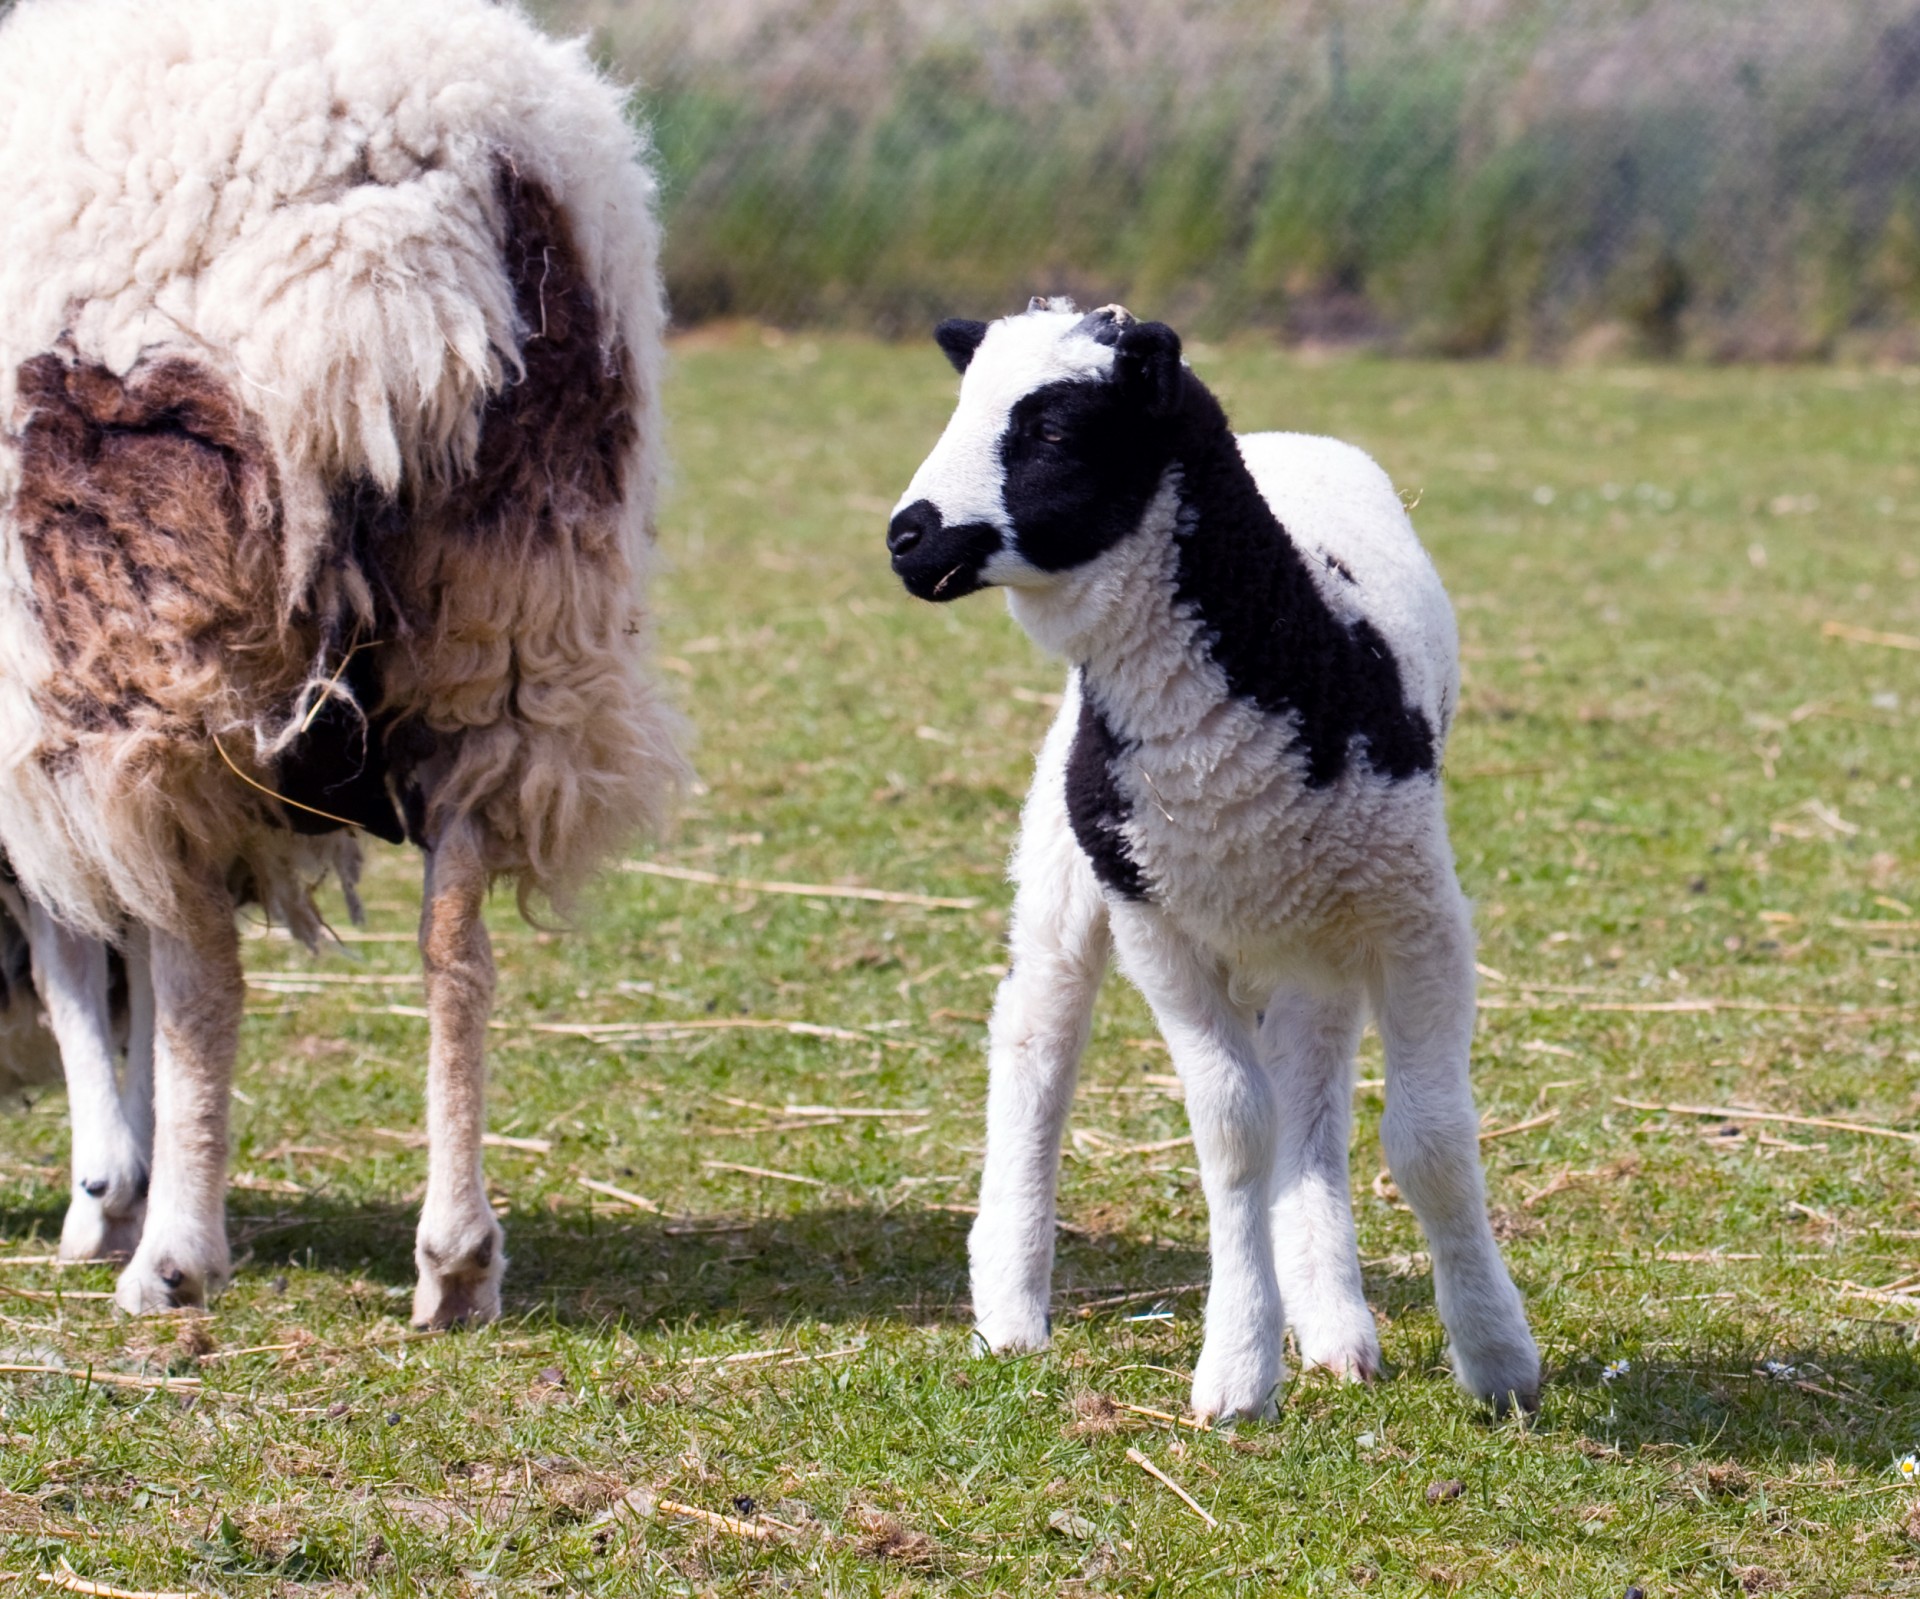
column 460, row 1284
column 156, row 1280
column 91, row 1232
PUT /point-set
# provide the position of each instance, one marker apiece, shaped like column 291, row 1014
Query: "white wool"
column 305, row 189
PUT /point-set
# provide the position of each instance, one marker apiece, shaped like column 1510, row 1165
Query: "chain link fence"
column 1728, row 178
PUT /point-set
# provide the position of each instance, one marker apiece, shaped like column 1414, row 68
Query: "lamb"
column 1240, row 798
column 330, row 337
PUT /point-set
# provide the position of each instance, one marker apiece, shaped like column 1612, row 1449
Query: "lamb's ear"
column 1147, row 363
column 959, row 338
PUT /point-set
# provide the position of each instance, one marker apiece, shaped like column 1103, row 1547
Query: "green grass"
column 1665, row 784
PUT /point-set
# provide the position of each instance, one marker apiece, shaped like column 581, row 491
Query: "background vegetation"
column 1689, row 819
column 1451, row 176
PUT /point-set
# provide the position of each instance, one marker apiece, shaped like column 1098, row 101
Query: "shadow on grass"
column 1712, row 1399
column 836, row 1263
column 1853, row 1401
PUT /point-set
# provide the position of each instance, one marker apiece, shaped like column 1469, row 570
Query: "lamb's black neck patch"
column 1096, row 807
column 1265, row 623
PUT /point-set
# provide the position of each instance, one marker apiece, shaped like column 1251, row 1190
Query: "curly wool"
column 303, row 304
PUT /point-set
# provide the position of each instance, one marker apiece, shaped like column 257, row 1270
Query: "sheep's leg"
column 109, row 1157
column 197, row 994
column 1430, row 1134
column 136, row 1078
column 1041, row 1018
column 1230, row 1105
column 460, row 1248
column 1309, row 1040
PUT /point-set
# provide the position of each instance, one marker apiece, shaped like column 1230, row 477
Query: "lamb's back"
column 1344, row 514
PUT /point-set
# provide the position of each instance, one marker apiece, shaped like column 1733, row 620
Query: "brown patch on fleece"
column 553, row 443
column 149, row 515
column 505, row 599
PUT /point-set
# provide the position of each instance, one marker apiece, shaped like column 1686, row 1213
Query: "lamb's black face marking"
column 1081, row 459
column 1096, row 808
column 935, row 561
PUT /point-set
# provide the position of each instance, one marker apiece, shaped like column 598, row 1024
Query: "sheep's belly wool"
column 329, row 341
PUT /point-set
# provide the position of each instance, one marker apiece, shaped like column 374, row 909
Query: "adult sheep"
column 1241, row 796
column 329, row 345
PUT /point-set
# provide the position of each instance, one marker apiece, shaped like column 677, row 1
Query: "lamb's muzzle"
column 937, row 561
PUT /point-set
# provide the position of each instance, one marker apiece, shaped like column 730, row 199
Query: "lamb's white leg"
column 1430, row 1135
column 1058, row 951
column 1309, row 1040
column 198, row 992
column 460, row 1248
column 109, row 1156
column 1230, row 1105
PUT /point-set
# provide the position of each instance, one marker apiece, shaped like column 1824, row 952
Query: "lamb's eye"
column 1049, row 434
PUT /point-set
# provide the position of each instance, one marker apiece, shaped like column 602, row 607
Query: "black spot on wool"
column 16, row 955
column 1096, row 807
column 1265, row 624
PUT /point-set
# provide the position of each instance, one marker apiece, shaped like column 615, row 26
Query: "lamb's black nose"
column 910, row 526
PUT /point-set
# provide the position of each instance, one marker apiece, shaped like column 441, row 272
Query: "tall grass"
column 1466, row 177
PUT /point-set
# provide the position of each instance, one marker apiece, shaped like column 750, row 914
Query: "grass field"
column 1689, row 821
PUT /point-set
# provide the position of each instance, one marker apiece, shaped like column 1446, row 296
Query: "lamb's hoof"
column 1353, row 1364
column 90, row 1232
column 1346, row 1343
column 1513, row 1403
column 1236, row 1389
column 1024, row 1331
column 460, row 1282
column 1505, row 1376
column 158, row 1279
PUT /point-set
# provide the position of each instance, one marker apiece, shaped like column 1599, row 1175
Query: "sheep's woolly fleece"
column 329, row 347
